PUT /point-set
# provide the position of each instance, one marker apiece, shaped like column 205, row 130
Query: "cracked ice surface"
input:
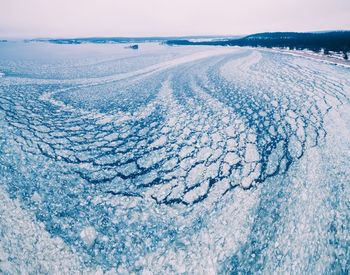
column 172, row 160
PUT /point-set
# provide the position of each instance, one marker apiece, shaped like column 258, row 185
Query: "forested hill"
column 335, row 41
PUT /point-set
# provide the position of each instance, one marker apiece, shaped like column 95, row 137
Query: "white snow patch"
column 88, row 235
column 251, row 153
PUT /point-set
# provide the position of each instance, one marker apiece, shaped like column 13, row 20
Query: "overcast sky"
column 72, row 18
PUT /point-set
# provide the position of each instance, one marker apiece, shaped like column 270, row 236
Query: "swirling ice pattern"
column 127, row 167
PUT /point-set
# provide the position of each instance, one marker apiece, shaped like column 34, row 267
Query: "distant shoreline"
column 327, row 43
column 330, row 47
column 323, row 58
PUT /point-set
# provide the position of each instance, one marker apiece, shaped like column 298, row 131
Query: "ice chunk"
column 232, row 158
column 195, row 174
column 251, row 153
column 88, row 235
column 159, row 142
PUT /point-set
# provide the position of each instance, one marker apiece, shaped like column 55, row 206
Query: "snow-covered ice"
column 172, row 160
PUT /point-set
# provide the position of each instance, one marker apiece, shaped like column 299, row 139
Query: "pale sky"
column 84, row 18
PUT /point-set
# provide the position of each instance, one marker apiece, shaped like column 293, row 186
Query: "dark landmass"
column 3, row 40
column 335, row 41
column 134, row 47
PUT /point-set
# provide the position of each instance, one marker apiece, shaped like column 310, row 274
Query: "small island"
column 133, row 47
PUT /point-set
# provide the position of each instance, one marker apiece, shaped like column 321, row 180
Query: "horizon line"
column 158, row 36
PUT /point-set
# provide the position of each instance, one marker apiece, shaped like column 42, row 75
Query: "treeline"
column 335, row 41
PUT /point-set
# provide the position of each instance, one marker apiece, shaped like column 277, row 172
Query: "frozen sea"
column 172, row 160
